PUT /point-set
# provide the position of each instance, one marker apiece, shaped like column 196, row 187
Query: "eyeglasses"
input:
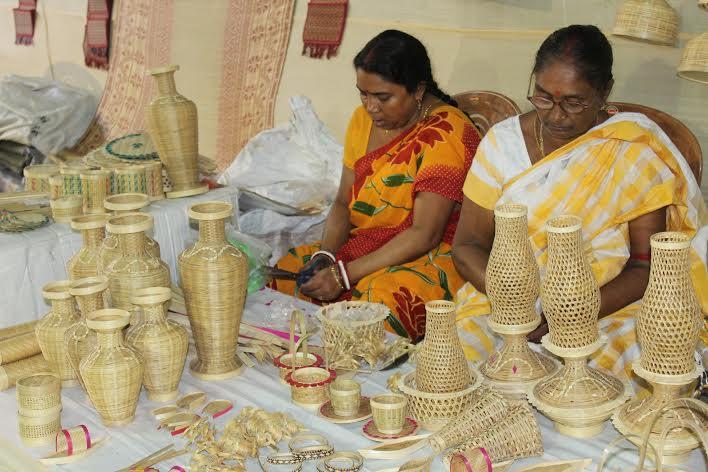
column 572, row 107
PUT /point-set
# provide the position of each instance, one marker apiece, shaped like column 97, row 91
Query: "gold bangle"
column 309, row 453
column 337, row 277
column 356, row 462
column 283, row 458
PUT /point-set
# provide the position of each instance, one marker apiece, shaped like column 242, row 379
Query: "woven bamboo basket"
column 389, row 412
column 10, row 373
column 16, row 330
column 345, row 395
column 91, row 295
column 694, row 60
column 652, row 21
column 39, row 430
column 85, row 263
column 516, row 436
column 487, row 409
column 56, row 186
column 19, row 347
column 434, row 410
column 172, row 124
column 95, row 187
column 309, row 386
column 362, row 320
column 66, row 208
column 126, row 203
column 112, row 371
column 162, row 342
column 37, row 177
column 72, row 177
column 136, row 268
column 294, row 359
column 441, row 366
column 38, row 394
column 214, row 278
column 130, row 179
column 51, row 329
column 153, row 180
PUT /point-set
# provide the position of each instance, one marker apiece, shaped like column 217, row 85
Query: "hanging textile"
column 25, row 15
column 97, row 33
column 324, row 27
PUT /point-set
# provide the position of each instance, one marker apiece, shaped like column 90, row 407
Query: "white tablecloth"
column 261, row 387
column 31, row 259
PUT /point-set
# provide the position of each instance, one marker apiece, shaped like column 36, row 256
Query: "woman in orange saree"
column 389, row 233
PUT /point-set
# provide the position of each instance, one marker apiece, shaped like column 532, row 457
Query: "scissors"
column 300, row 278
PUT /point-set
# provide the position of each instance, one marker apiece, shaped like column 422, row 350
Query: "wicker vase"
column 214, row 278
column 112, row 371
column 135, row 267
column 163, row 343
column 51, row 329
column 512, row 281
column 668, row 328
column 85, row 263
column 172, row 123
column 90, row 294
column 441, row 364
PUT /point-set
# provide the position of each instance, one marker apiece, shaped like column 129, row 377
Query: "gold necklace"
column 539, row 137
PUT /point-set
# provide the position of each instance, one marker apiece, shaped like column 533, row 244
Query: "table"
column 31, row 259
column 260, row 386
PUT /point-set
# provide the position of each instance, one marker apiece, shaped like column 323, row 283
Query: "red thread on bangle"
column 69, row 442
column 640, row 257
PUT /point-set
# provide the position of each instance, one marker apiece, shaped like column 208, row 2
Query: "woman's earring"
column 420, row 104
column 610, row 109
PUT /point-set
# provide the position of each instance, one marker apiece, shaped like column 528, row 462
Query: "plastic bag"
column 46, row 114
column 257, row 252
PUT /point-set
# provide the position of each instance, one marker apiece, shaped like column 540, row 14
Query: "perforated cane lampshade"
column 651, row 21
column 694, row 61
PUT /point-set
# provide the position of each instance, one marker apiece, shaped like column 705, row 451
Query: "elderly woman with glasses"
column 618, row 172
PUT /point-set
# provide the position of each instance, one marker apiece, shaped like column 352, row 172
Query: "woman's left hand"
column 322, row 286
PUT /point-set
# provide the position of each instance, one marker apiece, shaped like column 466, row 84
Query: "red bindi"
column 556, row 93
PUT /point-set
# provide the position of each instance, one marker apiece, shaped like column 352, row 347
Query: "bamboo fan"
column 191, row 400
column 651, row 21
column 694, row 61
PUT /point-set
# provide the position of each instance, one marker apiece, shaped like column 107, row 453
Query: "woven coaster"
column 324, row 27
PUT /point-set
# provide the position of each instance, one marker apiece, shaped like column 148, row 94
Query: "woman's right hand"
column 313, row 266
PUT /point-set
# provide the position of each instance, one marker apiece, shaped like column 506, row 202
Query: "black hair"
column 583, row 45
column 401, row 59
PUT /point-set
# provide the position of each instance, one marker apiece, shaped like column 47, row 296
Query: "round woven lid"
column 88, row 286
column 126, row 202
column 107, row 319
column 129, row 223
column 89, row 221
column 212, row 210
column 40, row 382
column 163, row 69
column 151, row 295
column 136, row 146
column 40, row 170
column 69, row 201
column 564, row 224
column 58, row 290
column 694, row 60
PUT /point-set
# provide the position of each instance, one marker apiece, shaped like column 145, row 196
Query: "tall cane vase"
column 162, row 342
column 136, row 267
column 570, row 298
column 668, row 329
column 51, row 329
column 441, row 366
column 85, row 263
column 90, row 294
column 112, row 371
column 214, row 277
column 512, row 281
column 172, row 124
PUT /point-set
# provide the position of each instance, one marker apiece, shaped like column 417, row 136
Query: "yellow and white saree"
column 617, row 171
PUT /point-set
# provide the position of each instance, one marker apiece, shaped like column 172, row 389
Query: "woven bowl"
column 284, row 362
column 434, row 410
column 126, row 202
column 345, row 395
column 308, row 386
column 389, row 412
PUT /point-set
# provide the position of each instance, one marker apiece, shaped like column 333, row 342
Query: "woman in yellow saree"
column 388, row 236
column 619, row 173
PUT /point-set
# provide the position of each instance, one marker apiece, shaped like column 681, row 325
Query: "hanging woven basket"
column 694, row 61
column 651, row 21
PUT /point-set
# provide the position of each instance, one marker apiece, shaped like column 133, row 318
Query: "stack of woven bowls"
column 39, row 408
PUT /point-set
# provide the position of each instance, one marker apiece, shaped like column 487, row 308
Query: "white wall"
column 490, row 45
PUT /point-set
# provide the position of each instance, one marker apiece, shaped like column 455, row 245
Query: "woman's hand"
column 313, row 266
column 324, row 286
column 542, row 329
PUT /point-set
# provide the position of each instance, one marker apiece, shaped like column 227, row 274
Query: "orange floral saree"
column 432, row 156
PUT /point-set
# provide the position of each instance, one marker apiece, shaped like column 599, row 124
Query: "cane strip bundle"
column 129, row 179
column 294, row 359
column 389, row 412
column 309, row 385
column 95, row 186
column 16, row 330
column 37, row 177
column 153, row 180
column 126, row 203
column 51, row 329
column 64, row 209
column 488, row 408
column 570, row 295
column 19, row 347
column 694, row 61
column 38, row 394
column 670, row 318
column 653, row 21
column 10, row 373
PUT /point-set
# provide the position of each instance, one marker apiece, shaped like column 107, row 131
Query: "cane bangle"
column 309, row 453
column 324, row 253
column 297, row 441
column 283, row 458
column 355, row 458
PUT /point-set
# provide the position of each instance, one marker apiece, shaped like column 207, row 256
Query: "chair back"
column 680, row 135
column 485, row 108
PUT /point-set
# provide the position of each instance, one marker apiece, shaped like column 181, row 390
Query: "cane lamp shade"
column 703, row 4
column 694, row 61
column 651, row 21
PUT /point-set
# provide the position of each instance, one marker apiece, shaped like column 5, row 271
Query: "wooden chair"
column 485, row 108
column 680, row 135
